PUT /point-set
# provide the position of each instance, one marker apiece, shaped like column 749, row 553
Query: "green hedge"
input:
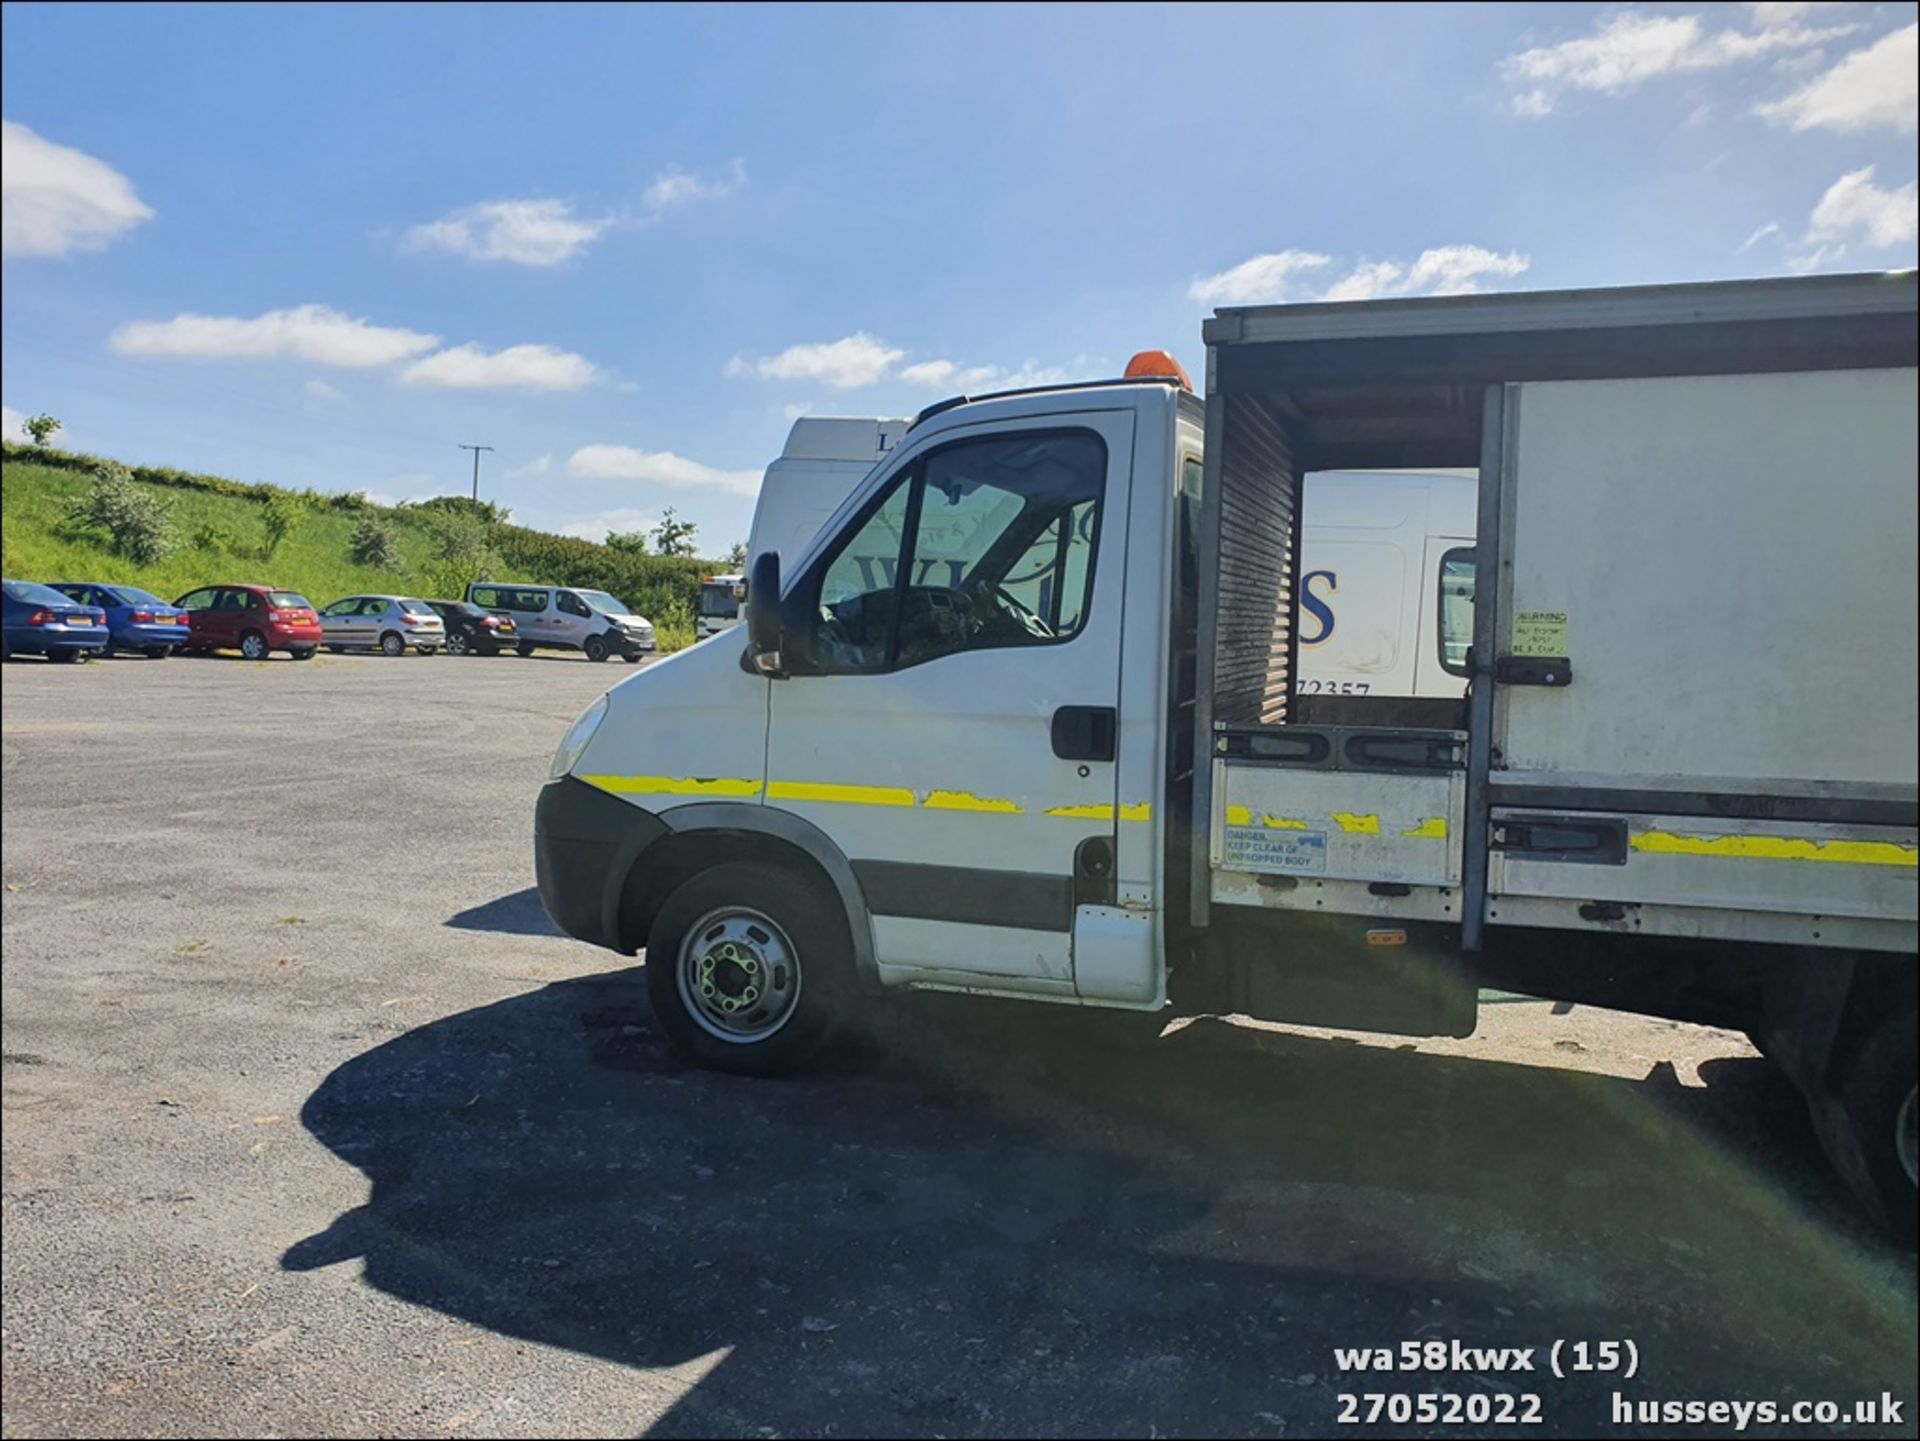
column 666, row 589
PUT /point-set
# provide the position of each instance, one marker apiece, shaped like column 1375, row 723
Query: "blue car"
column 38, row 620
column 136, row 619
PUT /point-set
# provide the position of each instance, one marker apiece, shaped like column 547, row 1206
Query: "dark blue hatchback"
column 38, row 620
column 137, row 619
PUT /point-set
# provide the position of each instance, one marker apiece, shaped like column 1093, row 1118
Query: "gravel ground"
column 314, row 1126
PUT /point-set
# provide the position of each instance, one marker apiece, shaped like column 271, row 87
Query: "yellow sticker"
column 1540, row 632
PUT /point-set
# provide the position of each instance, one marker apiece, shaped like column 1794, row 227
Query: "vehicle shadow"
column 518, row 914
column 988, row 1222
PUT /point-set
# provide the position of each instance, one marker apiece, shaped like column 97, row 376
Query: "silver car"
column 386, row 623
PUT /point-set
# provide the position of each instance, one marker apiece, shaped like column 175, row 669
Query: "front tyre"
column 304, row 653
column 159, row 652
column 524, row 648
column 596, row 647
column 748, row 969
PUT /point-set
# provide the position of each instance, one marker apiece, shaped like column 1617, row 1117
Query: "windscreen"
column 599, row 600
column 717, row 599
column 36, row 594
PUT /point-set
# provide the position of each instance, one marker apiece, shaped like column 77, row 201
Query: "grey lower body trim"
column 1825, row 809
column 968, row 896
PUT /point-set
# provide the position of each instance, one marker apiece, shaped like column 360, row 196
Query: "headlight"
column 575, row 741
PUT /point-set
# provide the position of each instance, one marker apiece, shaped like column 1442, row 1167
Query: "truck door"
column 960, row 745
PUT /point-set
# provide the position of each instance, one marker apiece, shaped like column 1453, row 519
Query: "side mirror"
column 763, row 613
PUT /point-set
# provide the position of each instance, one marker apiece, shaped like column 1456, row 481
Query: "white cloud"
column 675, row 187
column 1772, row 227
column 518, row 367
column 845, row 364
column 1442, row 270
column 1263, row 279
column 1874, row 88
column 976, row 379
column 532, row 470
column 55, row 200
column 1630, row 47
column 663, row 467
column 1855, row 209
column 595, row 527
column 13, row 425
column 320, row 390
column 524, row 232
column 314, row 333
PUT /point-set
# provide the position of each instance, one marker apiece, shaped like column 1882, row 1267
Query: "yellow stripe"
column 1283, row 823
column 1432, row 828
column 1239, row 816
column 1356, row 824
column 834, row 794
column 1776, row 848
column 675, row 785
column 968, row 801
column 1136, row 811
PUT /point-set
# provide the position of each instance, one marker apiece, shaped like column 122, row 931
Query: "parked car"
column 552, row 617
column 386, row 623
column 38, row 620
column 473, row 630
column 136, row 619
column 255, row 620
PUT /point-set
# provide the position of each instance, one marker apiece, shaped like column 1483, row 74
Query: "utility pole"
column 476, row 449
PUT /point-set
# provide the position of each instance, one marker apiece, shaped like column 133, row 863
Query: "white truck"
column 1021, row 717
column 1373, row 551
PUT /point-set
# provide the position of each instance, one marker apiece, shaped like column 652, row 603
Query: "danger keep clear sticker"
column 1255, row 848
column 1540, row 632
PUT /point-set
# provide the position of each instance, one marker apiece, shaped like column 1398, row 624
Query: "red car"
column 255, row 620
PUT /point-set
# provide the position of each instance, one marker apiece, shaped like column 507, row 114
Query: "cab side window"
column 983, row 544
column 572, row 604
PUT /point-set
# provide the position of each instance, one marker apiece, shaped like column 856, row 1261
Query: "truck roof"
column 1375, row 384
column 1781, row 298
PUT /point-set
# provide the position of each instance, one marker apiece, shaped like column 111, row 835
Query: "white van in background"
column 719, row 607
column 552, row 617
column 1379, row 552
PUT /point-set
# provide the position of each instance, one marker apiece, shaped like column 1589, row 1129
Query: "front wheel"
column 253, row 646
column 524, row 648
column 304, row 653
column 426, row 649
column 159, row 652
column 66, row 656
column 748, row 969
column 596, row 647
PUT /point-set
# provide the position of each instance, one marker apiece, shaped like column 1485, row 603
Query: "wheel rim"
column 392, row 645
column 1906, row 1139
column 253, row 648
column 738, row 975
column 456, row 645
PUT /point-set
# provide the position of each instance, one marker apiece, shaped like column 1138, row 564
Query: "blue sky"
column 625, row 246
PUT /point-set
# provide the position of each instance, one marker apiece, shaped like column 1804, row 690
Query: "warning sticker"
column 1255, row 848
column 1540, row 632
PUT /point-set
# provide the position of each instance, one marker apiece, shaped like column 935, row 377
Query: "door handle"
column 1085, row 732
